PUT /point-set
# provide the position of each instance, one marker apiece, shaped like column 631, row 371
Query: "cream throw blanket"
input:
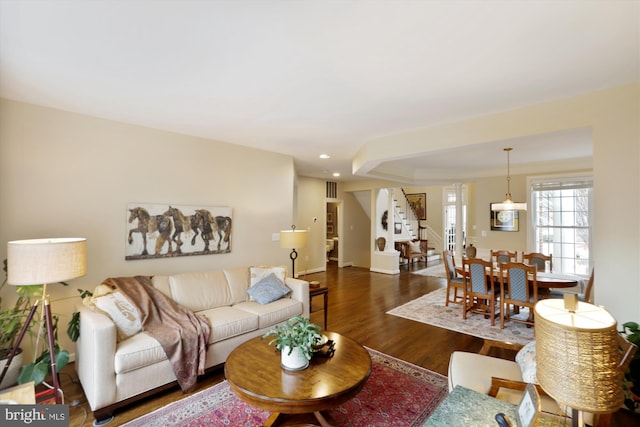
column 182, row 334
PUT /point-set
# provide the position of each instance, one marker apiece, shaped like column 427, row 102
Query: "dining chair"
column 453, row 280
column 539, row 260
column 587, row 296
column 479, row 288
column 518, row 287
column 503, row 256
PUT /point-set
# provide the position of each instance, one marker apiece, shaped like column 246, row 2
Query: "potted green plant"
column 295, row 339
column 631, row 330
column 11, row 322
column 37, row 370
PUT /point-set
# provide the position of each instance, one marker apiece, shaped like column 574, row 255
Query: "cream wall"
column 492, row 190
column 64, row 174
column 353, row 226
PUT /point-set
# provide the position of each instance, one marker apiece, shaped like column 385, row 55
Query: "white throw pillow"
column 415, row 247
column 526, row 358
column 256, row 274
column 118, row 308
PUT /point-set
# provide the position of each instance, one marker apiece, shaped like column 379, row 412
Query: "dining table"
column 545, row 280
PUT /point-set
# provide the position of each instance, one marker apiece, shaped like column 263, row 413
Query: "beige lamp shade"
column 43, row 261
column 293, row 239
column 577, row 357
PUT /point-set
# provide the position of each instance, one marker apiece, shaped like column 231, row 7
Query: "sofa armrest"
column 95, row 356
column 300, row 292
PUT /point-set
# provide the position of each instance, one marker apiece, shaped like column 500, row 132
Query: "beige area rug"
column 430, row 309
column 435, row 270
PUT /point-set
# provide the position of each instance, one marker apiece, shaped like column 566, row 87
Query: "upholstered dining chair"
column 479, row 289
column 453, row 280
column 518, row 287
column 503, row 256
column 539, row 260
column 587, row 296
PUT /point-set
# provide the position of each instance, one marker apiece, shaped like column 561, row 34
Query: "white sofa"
column 114, row 373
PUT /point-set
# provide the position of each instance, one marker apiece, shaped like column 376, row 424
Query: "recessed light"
column 325, row 156
column 336, row 174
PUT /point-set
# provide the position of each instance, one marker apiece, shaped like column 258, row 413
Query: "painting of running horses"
column 164, row 231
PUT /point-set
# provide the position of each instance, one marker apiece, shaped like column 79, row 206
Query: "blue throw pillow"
column 268, row 289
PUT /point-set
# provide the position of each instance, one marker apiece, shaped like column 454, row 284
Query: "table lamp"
column 577, row 356
column 293, row 239
column 43, row 261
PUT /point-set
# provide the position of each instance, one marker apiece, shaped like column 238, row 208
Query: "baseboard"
column 380, row 270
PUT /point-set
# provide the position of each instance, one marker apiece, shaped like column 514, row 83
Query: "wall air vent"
column 332, row 190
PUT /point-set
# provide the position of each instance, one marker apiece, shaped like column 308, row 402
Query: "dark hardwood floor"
column 358, row 302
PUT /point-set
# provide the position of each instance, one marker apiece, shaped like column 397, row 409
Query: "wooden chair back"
column 588, row 292
column 454, row 282
column 449, row 264
column 539, row 260
column 518, row 287
column 503, row 256
column 478, row 275
column 479, row 290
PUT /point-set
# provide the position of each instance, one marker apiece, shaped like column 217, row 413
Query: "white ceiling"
column 310, row 77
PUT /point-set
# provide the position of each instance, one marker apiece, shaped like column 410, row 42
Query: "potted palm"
column 295, row 339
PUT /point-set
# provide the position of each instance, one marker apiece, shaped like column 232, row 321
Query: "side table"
column 320, row 290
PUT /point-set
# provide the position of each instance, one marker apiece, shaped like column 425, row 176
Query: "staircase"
column 412, row 226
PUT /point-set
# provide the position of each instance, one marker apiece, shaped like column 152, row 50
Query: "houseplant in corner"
column 11, row 321
column 631, row 331
column 295, row 339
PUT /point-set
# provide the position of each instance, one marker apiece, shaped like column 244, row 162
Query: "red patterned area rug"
column 396, row 394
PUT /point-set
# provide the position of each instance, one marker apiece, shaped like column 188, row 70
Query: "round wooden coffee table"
column 254, row 373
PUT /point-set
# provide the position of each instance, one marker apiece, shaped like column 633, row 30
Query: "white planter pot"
column 11, row 378
column 294, row 361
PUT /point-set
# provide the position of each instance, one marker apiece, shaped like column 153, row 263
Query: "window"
column 449, row 222
column 561, row 218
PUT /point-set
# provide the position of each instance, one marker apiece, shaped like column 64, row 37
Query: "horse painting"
column 203, row 221
column 193, row 230
column 224, row 226
column 181, row 225
column 148, row 225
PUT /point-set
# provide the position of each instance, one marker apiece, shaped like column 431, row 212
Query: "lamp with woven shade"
column 293, row 239
column 577, row 356
column 44, row 261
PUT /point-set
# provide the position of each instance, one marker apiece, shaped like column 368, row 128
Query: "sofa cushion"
column 200, row 291
column 269, row 289
column 137, row 352
column 227, row 322
column 273, row 313
column 238, row 281
column 161, row 283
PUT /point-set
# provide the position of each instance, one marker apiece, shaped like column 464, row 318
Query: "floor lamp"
column 293, row 239
column 577, row 357
column 42, row 261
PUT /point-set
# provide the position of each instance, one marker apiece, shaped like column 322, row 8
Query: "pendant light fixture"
column 508, row 204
